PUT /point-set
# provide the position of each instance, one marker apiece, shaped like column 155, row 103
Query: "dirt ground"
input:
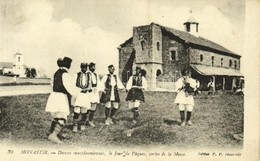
column 216, row 119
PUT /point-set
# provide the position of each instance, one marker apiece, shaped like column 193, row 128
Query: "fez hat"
column 138, row 67
column 67, row 62
column 185, row 72
column 60, row 62
column 83, row 65
column 110, row 66
column 91, row 64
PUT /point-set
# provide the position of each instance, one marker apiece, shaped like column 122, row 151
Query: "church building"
column 16, row 67
column 163, row 52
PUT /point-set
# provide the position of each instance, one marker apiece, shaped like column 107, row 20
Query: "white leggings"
column 133, row 104
column 188, row 107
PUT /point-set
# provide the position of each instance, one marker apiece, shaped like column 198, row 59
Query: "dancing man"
column 58, row 103
column 82, row 104
column 110, row 96
column 94, row 95
column 136, row 84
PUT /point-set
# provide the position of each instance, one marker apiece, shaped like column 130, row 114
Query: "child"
column 185, row 87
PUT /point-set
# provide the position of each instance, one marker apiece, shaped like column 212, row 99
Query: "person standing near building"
column 185, row 88
column 58, row 103
column 82, row 103
column 211, row 87
column 135, row 85
column 110, row 96
column 94, row 95
column 196, row 90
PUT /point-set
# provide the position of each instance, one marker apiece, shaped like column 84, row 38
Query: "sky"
column 91, row 30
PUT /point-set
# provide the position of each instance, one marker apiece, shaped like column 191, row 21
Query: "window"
column 158, row 46
column 222, row 62
column 212, row 60
column 142, row 44
column 158, row 73
column 235, row 64
column 230, row 63
column 19, row 59
column 173, row 55
column 188, row 27
column 201, row 58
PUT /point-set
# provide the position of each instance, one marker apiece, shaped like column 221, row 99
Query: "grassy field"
column 8, row 81
column 216, row 119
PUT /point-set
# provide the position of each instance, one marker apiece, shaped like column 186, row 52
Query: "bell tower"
column 192, row 25
column 18, row 67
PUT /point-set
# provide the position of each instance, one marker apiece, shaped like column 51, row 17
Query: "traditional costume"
column 58, row 103
column 185, row 87
column 136, row 84
column 94, row 95
column 82, row 104
column 110, row 95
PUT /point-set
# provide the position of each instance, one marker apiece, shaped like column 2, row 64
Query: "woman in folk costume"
column 58, row 103
column 82, row 103
column 94, row 95
column 136, row 84
column 185, row 88
column 110, row 96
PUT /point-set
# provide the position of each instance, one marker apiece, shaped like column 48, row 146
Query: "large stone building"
column 163, row 52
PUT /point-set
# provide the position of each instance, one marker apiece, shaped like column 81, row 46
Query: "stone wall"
column 143, row 34
column 126, row 56
column 173, row 67
column 207, row 59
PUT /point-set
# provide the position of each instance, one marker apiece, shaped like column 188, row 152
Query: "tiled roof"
column 189, row 38
column 198, row 40
column 6, row 65
column 191, row 20
column 209, row 70
column 126, row 42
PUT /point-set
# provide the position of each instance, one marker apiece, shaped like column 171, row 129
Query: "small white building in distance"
column 16, row 67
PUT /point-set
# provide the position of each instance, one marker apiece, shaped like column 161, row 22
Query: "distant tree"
column 30, row 72
column 33, row 73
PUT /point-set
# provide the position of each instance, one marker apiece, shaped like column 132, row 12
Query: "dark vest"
column 137, row 81
column 94, row 85
column 105, row 97
column 108, row 81
column 58, row 82
column 79, row 80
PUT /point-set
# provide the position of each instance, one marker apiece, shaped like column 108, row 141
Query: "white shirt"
column 113, row 82
column 67, row 81
column 130, row 83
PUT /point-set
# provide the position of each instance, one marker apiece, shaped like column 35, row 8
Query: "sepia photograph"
column 129, row 79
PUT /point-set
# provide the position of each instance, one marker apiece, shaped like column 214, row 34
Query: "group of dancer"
column 82, row 93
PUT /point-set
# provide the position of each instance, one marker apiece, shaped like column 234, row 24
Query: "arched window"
column 158, row 46
column 201, row 57
column 143, row 72
column 188, row 27
column 158, row 72
column 142, row 44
